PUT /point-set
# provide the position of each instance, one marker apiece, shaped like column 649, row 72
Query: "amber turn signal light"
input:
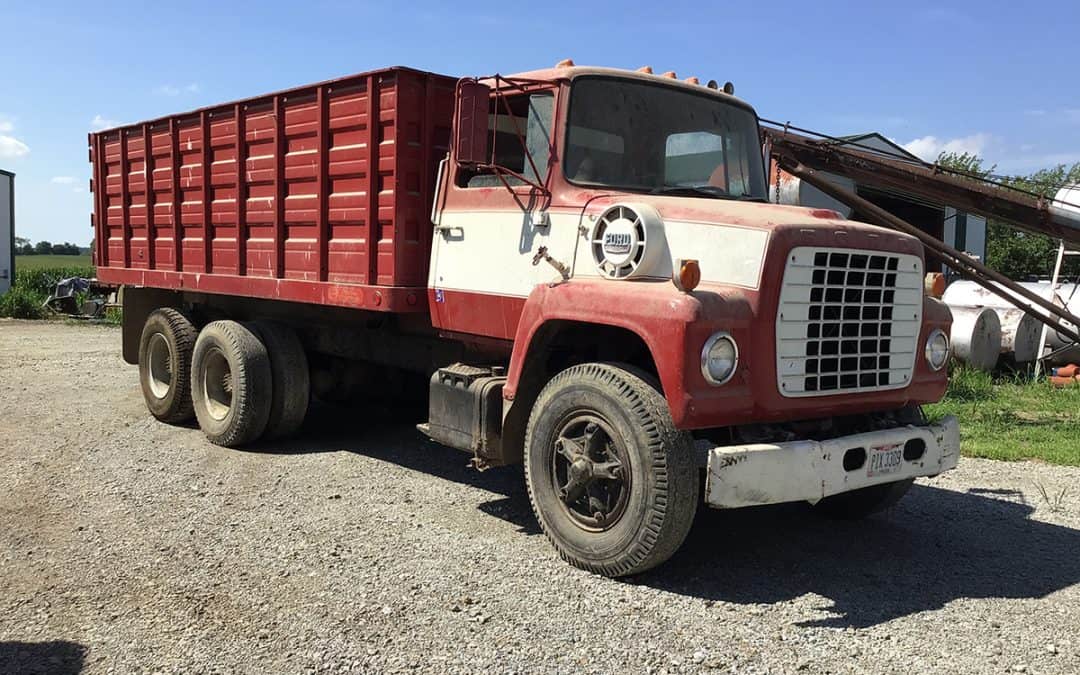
column 934, row 284
column 687, row 275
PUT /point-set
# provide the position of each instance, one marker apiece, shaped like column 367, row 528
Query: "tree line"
column 23, row 246
column 1017, row 254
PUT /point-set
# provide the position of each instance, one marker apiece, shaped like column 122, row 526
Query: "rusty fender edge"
column 773, row 473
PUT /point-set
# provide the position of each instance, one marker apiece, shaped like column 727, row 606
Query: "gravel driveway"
column 132, row 546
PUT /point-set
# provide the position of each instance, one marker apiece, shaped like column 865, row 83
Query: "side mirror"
column 471, row 123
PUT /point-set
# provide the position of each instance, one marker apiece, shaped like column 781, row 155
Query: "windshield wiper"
column 703, row 191
column 692, row 191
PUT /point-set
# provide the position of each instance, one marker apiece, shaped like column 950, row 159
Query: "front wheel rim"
column 590, row 471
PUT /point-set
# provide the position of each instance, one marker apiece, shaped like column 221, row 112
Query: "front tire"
column 165, row 348
column 231, row 384
column 611, row 480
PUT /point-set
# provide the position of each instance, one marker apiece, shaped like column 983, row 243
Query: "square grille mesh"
column 848, row 321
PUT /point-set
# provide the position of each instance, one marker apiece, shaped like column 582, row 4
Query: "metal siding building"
column 7, row 230
column 964, row 231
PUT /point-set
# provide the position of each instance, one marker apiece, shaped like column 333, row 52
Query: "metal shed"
column 964, row 231
column 7, row 230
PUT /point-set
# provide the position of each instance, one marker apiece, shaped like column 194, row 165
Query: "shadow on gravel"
column 936, row 546
column 54, row 658
column 388, row 434
column 379, row 433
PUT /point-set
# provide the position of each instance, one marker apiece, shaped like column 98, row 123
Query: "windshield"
column 652, row 138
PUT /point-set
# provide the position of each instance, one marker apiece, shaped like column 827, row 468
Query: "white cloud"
column 929, row 147
column 99, row 123
column 63, row 180
column 176, row 90
column 1067, row 115
column 12, row 148
column 78, row 190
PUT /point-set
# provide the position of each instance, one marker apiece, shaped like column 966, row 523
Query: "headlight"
column 937, row 349
column 719, row 357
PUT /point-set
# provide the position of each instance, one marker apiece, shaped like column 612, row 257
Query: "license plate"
column 884, row 460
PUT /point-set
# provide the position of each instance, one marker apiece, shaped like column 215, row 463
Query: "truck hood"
column 643, row 236
column 730, row 212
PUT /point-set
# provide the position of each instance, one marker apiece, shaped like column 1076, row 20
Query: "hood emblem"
column 626, row 240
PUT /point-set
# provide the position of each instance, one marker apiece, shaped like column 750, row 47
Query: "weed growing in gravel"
column 1055, row 502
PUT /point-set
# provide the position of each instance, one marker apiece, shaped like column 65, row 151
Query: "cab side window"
column 532, row 114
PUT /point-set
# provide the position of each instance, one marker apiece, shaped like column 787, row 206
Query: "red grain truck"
column 581, row 263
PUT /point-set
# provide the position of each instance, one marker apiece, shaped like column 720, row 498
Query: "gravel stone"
column 131, row 546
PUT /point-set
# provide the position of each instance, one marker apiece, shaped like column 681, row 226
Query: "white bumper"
column 773, row 473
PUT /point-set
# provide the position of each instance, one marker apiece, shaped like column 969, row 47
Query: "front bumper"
column 773, row 473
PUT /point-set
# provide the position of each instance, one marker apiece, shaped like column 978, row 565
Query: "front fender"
column 673, row 325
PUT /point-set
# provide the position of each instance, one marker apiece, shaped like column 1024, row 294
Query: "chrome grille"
column 848, row 321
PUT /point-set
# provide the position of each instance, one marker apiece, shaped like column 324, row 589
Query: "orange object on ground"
column 1062, row 381
column 1070, row 370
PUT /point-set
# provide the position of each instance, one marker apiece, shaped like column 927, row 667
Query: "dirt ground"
column 131, row 546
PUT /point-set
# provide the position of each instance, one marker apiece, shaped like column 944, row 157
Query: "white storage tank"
column 970, row 294
column 7, row 230
column 976, row 336
column 1065, row 207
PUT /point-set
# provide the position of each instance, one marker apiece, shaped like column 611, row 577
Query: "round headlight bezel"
column 714, row 339
column 929, row 349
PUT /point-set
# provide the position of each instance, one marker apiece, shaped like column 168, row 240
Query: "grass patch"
column 37, row 262
column 1013, row 418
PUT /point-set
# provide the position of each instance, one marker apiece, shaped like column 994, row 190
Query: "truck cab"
column 591, row 213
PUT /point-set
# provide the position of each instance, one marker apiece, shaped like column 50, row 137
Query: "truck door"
column 488, row 231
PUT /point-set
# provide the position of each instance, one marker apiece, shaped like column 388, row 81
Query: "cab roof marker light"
column 692, row 80
column 670, row 75
column 565, row 63
column 645, row 69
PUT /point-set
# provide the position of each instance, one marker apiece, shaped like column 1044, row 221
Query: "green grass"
column 37, row 262
column 1013, row 418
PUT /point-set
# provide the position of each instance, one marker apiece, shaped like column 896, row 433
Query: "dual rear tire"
column 242, row 382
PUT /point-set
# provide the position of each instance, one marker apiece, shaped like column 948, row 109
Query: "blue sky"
column 991, row 77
